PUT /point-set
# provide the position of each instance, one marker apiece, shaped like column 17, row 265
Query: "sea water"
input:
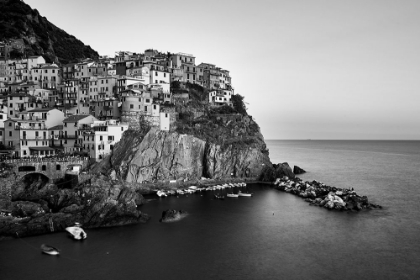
column 272, row 235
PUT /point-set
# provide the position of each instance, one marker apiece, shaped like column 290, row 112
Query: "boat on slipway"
column 77, row 232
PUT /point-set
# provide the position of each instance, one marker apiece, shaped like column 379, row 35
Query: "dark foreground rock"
column 172, row 215
column 297, row 170
column 269, row 173
column 41, row 207
column 319, row 194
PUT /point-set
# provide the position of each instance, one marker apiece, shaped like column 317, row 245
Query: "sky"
column 308, row 69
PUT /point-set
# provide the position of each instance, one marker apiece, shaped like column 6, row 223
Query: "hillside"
column 32, row 34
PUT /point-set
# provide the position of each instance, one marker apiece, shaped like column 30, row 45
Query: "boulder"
column 172, row 215
column 297, row 170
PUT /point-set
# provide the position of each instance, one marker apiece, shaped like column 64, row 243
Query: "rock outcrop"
column 297, row 170
column 41, row 207
column 270, row 173
column 172, row 215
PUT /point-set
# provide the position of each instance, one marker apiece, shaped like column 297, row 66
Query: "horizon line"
column 309, row 139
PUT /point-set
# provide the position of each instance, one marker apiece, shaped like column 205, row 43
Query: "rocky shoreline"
column 319, row 194
column 39, row 207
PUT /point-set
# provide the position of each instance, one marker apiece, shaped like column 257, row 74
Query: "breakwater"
column 319, row 194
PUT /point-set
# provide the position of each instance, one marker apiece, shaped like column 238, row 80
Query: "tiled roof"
column 57, row 127
column 75, row 118
column 40, row 110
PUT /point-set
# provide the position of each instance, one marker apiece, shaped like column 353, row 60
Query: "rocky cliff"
column 161, row 155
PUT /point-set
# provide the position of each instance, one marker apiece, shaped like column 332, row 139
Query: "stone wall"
column 52, row 168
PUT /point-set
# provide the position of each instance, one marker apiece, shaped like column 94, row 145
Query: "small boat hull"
column 49, row 250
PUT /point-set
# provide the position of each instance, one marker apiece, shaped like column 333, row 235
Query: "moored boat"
column 232, row 195
column 49, row 250
column 244, row 194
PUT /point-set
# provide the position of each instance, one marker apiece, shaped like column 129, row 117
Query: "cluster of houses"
column 85, row 107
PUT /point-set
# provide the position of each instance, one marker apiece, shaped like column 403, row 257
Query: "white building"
column 100, row 140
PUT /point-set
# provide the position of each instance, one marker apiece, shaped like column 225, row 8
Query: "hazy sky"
column 309, row 69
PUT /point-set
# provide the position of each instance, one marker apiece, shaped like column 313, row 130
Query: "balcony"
column 67, row 137
column 31, row 127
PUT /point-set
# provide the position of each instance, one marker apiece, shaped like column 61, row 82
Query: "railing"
column 67, row 137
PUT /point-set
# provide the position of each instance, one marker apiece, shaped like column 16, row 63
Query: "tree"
column 239, row 104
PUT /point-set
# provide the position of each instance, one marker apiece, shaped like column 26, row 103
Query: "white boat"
column 49, row 250
column 161, row 193
column 193, row 188
column 232, row 195
column 180, row 191
column 244, row 194
column 77, row 232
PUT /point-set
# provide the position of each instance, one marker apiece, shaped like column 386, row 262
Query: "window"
column 44, row 168
column 111, row 138
column 156, row 73
column 131, row 106
column 10, row 124
column 100, row 138
column 58, row 167
column 10, row 133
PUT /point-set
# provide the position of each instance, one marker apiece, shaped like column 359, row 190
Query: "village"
column 83, row 108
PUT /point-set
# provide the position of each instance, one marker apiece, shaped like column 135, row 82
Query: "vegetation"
column 19, row 21
column 239, row 104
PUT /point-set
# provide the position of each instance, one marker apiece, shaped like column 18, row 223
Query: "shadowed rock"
column 297, row 170
column 172, row 215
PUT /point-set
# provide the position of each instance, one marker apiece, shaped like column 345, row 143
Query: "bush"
column 239, row 104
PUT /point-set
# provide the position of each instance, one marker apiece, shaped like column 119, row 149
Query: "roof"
column 75, row 118
column 40, row 110
column 57, row 127
column 17, row 94
column 41, row 148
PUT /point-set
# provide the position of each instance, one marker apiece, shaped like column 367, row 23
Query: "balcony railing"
column 67, row 137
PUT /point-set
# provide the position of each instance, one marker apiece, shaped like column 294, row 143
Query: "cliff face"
column 159, row 156
column 241, row 162
column 173, row 156
column 35, row 35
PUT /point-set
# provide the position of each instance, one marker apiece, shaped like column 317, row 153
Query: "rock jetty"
column 319, row 194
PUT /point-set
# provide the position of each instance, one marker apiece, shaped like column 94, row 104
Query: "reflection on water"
column 271, row 235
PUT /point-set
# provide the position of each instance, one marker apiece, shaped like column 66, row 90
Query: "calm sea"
column 272, row 235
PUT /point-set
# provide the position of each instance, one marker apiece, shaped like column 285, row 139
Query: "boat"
column 244, row 194
column 232, row 195
column 77, row 232
column 180, row 191
column 161, row 193
column 216, row 196
column 49, row 250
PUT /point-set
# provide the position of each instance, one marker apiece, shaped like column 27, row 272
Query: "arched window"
column 58, row 167
column 44, row 168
